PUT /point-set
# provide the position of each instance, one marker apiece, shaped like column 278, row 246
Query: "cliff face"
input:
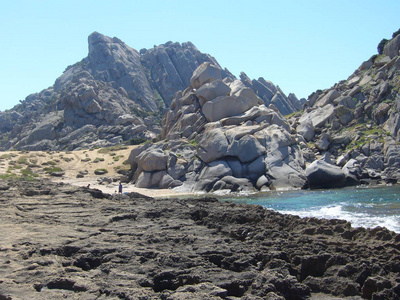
column 113, row 95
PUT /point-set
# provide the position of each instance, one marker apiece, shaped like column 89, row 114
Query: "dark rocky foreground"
column 59, row 241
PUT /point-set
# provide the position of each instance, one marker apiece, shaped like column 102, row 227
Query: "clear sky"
column 300, row 45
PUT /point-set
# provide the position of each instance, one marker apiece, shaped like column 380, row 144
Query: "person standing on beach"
column 120, row 187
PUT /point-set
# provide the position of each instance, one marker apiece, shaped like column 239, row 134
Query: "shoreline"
column 83, row 244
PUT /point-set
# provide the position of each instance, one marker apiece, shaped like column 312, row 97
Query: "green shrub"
column 100, row 171
column 98, row 159
column 381, row 45
column 52, row 169
column 28, row 173
column 137, row 141
column 396, row 33
column 111, row 149
column 118, row 157
column 23, row 160
column 49, row 163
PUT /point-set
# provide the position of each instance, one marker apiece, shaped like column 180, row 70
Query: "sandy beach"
column 72, row 163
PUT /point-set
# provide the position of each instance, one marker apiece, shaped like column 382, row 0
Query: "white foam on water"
column 357, row 219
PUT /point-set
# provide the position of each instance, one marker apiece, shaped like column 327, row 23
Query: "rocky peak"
column 273, row 95
column 114, row 94
column 111, row 60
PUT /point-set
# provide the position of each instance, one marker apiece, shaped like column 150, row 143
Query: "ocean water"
column 361, row 206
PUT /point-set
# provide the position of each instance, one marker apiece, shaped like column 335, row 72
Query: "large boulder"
column 159, row 179
column 328, row 98
column 212, row 90
column 246, row 149
column 392, row 48
column 319, row 116
column 233, row 184
column 211, row 174
column 352, row 171
column 306, row 129
column 205, row 73
column 321, row 174
column 153, row 160
column 213, row 145
column 227, row 106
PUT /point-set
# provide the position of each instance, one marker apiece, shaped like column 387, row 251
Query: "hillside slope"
column 357, row 120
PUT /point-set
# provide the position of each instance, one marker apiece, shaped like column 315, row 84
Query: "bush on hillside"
column 381, row 45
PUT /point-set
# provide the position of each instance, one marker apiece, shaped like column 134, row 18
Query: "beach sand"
column 112, row 159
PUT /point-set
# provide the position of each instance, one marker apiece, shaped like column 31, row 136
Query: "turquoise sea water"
column 366, row 207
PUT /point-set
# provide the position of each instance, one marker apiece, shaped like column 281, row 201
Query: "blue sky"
column 299, row 45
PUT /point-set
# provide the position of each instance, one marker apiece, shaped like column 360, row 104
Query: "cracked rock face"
column 60, row 241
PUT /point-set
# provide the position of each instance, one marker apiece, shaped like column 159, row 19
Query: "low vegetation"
column 24, row 165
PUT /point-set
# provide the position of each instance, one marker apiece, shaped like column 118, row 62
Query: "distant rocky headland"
column 201, row 129
column 60, row 241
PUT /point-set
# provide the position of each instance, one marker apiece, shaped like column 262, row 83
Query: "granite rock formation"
column 357, row 120
column 218, row 134
column 114, row 95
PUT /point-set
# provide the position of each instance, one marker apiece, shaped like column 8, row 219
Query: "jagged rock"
column 233, row 184
column 205, row 73
column 321, row 174
column 212, row 90
column 323, row 142
column 328, row 98
column 373, row 285
column 344, row 114
column 381, row 113
column 319, row 116
column 306, row 129
column 352, row 171
column 226, row 106
column 263, row 181
column 392, row 48
column 346, row 101
column 392, row 125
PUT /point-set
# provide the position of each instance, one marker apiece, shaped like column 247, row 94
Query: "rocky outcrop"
column 226, row 137
column 121, row 92
column 356, row 121
column 135, row 247
column 273, row 95
column 116, row 90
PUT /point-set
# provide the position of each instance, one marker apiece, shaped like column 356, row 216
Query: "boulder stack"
column 218, row 134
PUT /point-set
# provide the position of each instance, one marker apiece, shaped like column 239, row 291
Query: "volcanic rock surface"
column 59, row 241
